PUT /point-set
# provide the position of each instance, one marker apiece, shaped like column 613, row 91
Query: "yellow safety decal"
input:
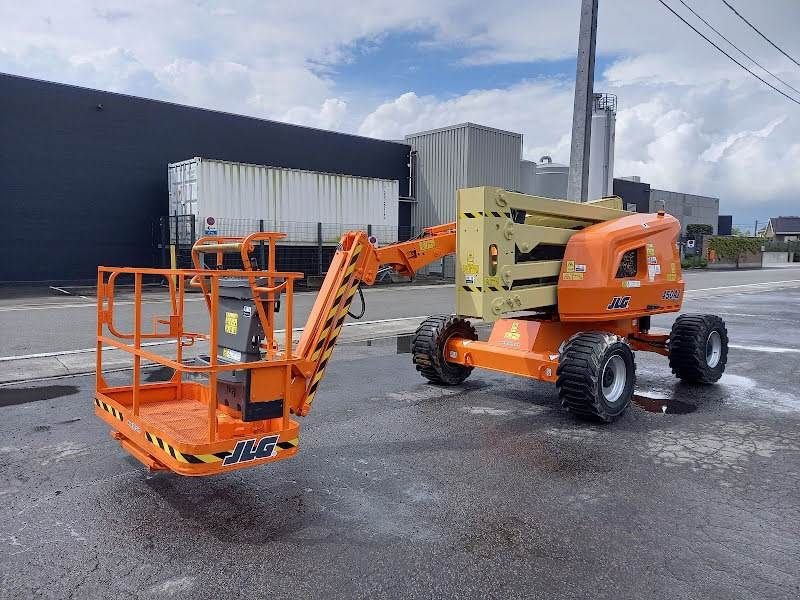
column 109, row 409
column 427, row 245
column 513, row 333
column 470, row 267
column 231, row 323
column 573, row 276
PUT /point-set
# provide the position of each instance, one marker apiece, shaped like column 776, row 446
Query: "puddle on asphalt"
column 667, row 406
column 11, row 396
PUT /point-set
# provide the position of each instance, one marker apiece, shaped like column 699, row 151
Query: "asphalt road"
column 47, row 323
column 404, row 489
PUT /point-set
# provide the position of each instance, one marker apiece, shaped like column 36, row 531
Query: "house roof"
column 784, row 225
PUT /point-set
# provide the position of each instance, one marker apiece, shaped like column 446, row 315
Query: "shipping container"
column 238, row 196
column 460, row 156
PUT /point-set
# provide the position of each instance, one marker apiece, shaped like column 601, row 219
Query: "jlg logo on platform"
column 619, row 302
column 248, row 450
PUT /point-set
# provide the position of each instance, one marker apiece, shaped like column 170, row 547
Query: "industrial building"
column 687, row 208
column 92, row 177
column 84, row 172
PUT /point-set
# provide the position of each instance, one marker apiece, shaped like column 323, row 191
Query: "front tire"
column 698, row 348
column 596, row 376
column 429, row 344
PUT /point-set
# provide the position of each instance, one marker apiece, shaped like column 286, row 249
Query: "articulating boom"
column 232, row 408
column 570, row 289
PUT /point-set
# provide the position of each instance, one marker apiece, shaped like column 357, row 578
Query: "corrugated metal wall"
column 494, row 157
column 281, row 197
column 465, row 155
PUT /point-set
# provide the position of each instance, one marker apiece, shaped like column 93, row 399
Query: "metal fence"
column 308, row 247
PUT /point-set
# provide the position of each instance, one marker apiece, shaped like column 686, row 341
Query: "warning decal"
column 231, row 323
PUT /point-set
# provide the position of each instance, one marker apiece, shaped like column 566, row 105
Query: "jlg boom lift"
column 570, row 288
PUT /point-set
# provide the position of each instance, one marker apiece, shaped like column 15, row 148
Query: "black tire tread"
column 428, row 345
column 687, row 348
column 578, row 374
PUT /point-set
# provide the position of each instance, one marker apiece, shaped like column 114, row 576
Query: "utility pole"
column 755, row 229
column 578, row 183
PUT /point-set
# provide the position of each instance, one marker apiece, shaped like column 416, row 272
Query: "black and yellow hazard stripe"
column 197, row 459
column 183, row 457
column 287, row 445
column 487, row 214
column 109, row 409
column 333, row 324
column 490, row 288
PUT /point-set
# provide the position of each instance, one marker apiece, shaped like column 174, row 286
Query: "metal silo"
column 551, row 178
column 601, row 153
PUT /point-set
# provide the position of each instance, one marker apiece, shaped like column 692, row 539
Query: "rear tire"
column 596, row 376
column 698, row 348
column 428, row 348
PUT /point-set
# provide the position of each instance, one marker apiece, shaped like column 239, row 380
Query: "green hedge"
column 694, row 262
column 701, row 228
column 734, row 247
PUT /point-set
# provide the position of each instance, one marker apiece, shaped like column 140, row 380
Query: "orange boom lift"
column 570, row 289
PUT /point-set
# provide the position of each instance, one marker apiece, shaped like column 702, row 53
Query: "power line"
column 698, row 32
column 742, row 52
column 754, row 28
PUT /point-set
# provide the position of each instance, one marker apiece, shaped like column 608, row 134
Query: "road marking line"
column 167, row 342
column 748, row 285
column 768, row 349
column 92, row 304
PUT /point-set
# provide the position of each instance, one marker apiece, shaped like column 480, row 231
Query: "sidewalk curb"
column 72, row 364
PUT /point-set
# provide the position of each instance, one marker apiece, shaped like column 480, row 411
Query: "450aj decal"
column 671, row 295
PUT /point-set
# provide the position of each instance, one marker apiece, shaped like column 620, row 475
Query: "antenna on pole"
column 577, row 186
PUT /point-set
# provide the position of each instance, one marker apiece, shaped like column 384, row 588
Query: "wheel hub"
column 713, row 349
column 614, row 378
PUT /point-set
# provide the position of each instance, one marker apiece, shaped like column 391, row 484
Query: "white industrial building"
column 465, row 155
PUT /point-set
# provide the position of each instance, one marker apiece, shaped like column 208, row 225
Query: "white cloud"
column 689, row 119
column 539, row 109
column 328, row 116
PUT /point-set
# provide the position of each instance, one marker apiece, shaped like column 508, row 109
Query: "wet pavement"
column 404, row 489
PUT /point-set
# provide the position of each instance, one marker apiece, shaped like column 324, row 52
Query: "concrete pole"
column 578, row 184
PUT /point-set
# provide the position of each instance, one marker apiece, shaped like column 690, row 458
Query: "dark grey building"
column 689, row 209
column 635, row 194
column 725, row 225
column 83, row 172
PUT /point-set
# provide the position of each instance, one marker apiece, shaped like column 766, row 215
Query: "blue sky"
column 689, row 120
column 406, row 60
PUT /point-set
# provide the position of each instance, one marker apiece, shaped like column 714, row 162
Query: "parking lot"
column 402, row 488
